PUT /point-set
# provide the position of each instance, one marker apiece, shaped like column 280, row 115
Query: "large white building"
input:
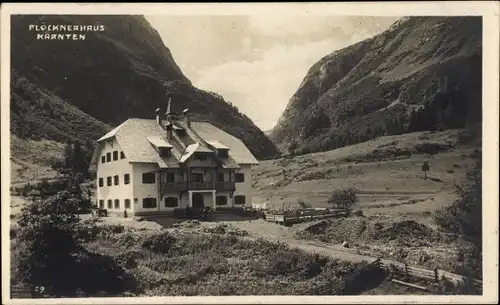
column 150, row 166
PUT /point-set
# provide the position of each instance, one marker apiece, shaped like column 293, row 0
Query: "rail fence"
column 299, row 215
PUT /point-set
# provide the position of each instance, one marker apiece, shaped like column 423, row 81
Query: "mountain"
column 423, row 73
column 77, row 90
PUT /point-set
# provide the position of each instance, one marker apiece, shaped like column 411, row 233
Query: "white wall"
column 142, row 190
column 110, row 169
column 245, row 188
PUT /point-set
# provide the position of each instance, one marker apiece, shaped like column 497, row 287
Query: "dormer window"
column 164, row 151
column 223, row 153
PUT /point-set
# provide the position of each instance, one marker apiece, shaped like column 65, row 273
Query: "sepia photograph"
column 291, row 153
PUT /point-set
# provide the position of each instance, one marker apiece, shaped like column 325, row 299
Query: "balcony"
column 201, row 185
column 175, row 186
column 224, row 186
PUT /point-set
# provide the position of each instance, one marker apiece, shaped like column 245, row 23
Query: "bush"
column 344, row 198
column 52, row 253
column 161, row 243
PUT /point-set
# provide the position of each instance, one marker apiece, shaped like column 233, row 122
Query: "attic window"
column 222, row 153
column 164, row 151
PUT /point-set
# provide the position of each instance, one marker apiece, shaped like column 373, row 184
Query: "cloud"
column 257, row 62
column 262, row 88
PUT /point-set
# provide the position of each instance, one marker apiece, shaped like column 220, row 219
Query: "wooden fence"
column 435, row 275
column 351, row 282
column 299, row 215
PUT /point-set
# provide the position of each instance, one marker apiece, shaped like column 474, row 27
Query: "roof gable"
column 139, row 137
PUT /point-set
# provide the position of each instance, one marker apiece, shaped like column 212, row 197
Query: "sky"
column 254, row 62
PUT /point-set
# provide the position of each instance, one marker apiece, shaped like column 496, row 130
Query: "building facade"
column 156, row 166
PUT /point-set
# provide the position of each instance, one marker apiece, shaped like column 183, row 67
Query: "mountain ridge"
column 414, row 76
column 76, row 91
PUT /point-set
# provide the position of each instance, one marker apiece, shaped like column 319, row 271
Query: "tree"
column 292, row 147
column 425, row 168
column 343, row 198
column 48, row 231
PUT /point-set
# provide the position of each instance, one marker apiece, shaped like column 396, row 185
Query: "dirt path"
column 277, row 233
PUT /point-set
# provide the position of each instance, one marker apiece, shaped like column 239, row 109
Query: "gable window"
column 101, row 182
column 239, row 177
column 197, row 177
column 149, row 178
column 126, row 178
column 170, row 177
column 222, row 153
column 201, row 157
column 117, row 203
column 101, row 204
column 127, row 203
column 171, row 202
column 108, row 157
column 116, row 179
column 115, row 155
column 221, row 200
column 110, row 204
column 164, row 151
column 103, row 159
column 122, row 155
column 149, row 203
column 220, row 177
column 108, row 181
column 239, row 200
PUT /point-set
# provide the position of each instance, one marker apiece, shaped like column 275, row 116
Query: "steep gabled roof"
column 139, row 137
column 238, row 151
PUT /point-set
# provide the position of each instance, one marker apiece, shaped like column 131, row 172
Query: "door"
column 198, row 203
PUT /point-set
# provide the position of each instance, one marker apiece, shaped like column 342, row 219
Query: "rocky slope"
column 423, row 73
column 76, row 90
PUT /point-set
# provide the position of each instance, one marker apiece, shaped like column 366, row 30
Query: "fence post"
column 436, row 278
column 406, row 269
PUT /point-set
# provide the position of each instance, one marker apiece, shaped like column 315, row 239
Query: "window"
column 171, row 202
column 148, row 178
column 126, row 178
column 201, row 157
column 116, row 179
column 101, row 182
column 239, row 200
column 103, row 159
column 164, row 151
column 221, row 200
column 127, row 203
column 115, row 155
column 222, row 153
column 220, row 177
column 110, row 204
column 108, row 180
column 197, row 177
column 170, row 177
column 239, row 177
column 108, row 157
column 149, row 203
column 117, row 203
column 101, row 204
column 136, row 200
column 122, row 155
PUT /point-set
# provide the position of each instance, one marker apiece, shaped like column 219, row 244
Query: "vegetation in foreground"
column 53, row 249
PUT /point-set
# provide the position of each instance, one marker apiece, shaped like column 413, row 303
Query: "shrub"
column 159, row 242
column 343, row 198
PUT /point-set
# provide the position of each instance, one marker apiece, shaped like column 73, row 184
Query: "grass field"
column 386, row 171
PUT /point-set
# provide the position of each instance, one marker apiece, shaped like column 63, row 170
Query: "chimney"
column 159, row 116
column 186, row 117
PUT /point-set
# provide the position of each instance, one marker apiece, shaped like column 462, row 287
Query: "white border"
column 488, row 9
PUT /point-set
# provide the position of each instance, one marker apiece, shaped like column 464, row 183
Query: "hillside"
column 76, row 90
column 423, row 73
